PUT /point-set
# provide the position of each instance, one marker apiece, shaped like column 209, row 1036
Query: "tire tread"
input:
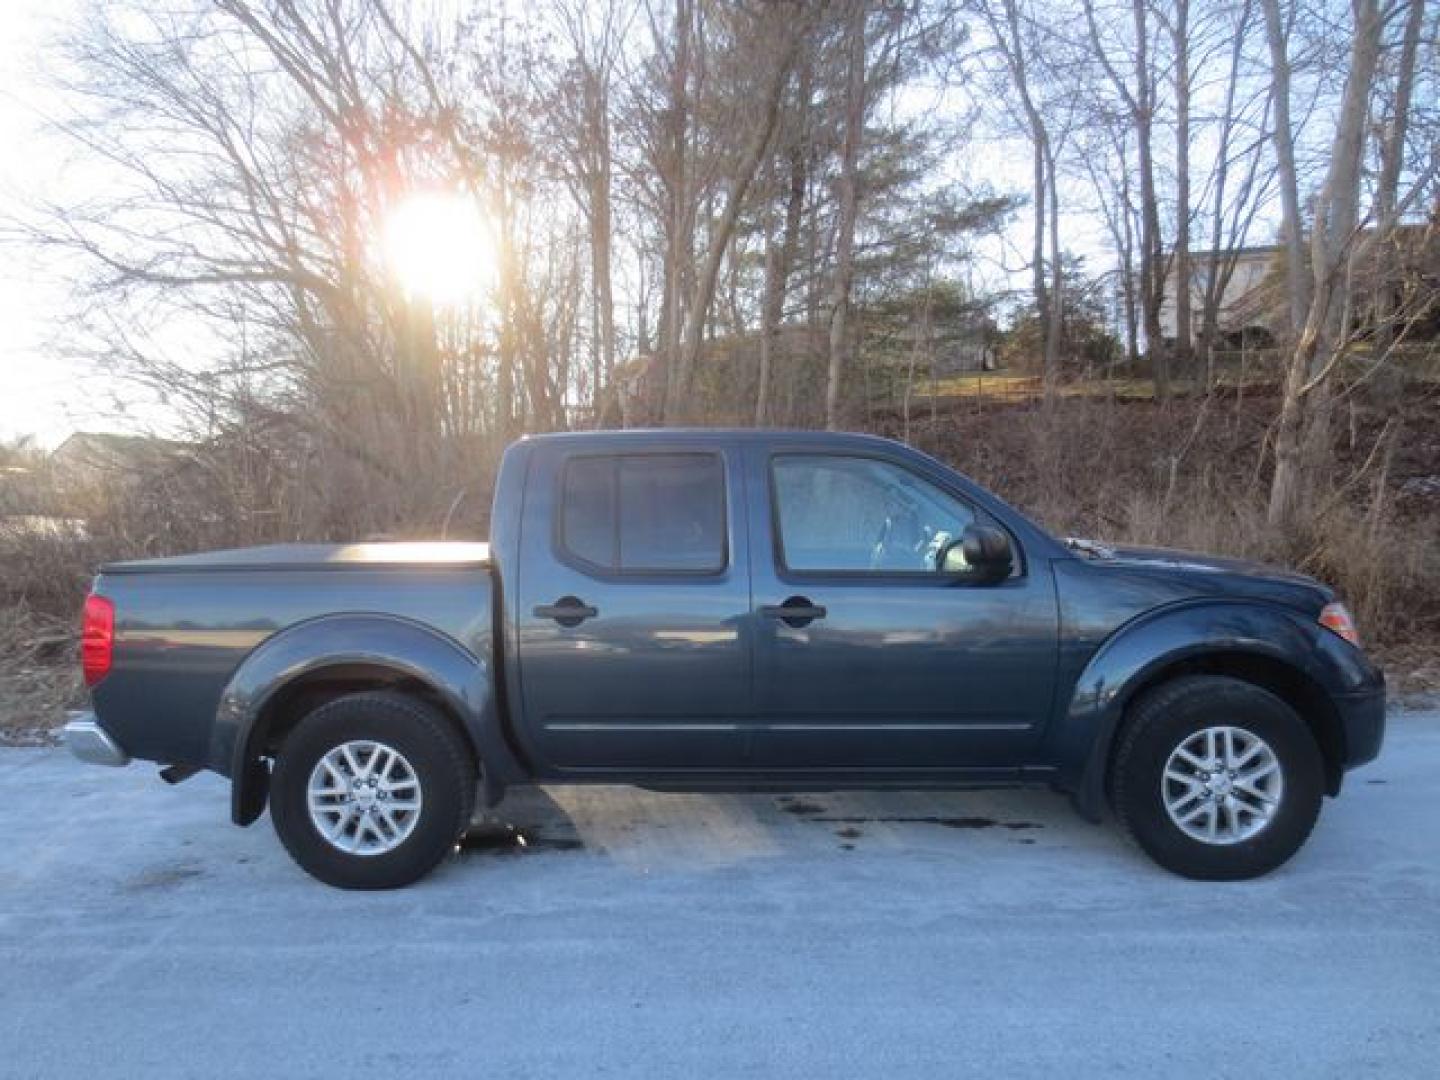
column 1228, row 696
column 455, row 784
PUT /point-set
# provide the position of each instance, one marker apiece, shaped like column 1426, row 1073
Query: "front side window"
column 659, row 513
column 848, row 514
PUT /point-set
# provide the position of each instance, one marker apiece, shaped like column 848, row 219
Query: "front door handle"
column 567, row 611
column 795, row 612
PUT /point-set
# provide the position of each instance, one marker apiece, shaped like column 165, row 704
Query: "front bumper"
column 90, row 742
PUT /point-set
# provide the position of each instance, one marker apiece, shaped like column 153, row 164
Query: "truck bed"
column 185, row 625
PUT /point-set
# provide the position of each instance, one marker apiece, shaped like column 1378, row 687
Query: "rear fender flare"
column 462, row 681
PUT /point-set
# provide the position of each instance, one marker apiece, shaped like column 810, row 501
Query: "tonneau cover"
column 411, row 554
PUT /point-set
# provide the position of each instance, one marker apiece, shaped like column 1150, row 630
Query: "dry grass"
column 1257, row 372
column 1006, row 386
column 1192, row 475
column 39, row 675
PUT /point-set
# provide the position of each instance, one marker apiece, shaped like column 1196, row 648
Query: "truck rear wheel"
column 1217, row 779
column 371, row 790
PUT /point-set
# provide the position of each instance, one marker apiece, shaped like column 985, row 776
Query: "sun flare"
column 440, row 246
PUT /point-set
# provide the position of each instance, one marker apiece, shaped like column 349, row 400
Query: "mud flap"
column 249, row 791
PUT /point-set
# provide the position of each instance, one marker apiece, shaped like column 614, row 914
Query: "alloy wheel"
column 1222, row 785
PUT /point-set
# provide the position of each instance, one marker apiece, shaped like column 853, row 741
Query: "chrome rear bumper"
column 90, row 742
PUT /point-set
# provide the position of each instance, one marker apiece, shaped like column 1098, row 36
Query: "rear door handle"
column 796, row 611
column 567, row 611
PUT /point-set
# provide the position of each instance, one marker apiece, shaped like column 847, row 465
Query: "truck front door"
column 633, row 595
column 866, row 656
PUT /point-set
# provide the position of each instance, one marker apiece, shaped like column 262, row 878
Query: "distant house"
column 90, row 457
column 957, row 347
column 1251, row 303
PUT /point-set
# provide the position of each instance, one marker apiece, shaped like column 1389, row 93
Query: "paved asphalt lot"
column 687, row 936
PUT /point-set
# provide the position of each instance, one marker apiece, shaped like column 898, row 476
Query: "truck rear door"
column 633, row 591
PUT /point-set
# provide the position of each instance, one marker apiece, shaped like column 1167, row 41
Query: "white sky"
column 45, row 389
column 40, row 392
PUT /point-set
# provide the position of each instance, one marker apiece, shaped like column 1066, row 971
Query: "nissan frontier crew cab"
column 731, row 611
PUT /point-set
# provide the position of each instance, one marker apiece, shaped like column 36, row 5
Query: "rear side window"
column 588, row 518
column 658, row 513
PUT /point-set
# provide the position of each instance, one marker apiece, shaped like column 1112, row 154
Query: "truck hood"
column 1222, row 564
column 1212, row 574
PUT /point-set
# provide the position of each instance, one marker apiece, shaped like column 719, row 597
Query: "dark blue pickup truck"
column 731, row 611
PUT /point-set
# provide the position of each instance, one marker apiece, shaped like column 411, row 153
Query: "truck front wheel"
column 1216, row 778
column 371, row 790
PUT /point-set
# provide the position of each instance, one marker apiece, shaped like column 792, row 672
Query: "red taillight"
column 1337, row 619
column 97, row 638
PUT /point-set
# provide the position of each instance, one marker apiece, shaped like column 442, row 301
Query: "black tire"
column 1162, row 720
column 438, row 756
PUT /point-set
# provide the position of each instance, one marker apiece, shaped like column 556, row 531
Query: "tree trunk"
column 1141, row 102
column 1387, row 186
column 779, row 260
column 677, row 403
column 1214, row 280
column 509, row 376
column 1297, row 280
column 1152, row 247
column 1392, row 144
column 1302, row 440
column 1181, row 37
column 600, row 263
column 1055, row 313
column 1044, row 195
column 679, row 215
column 1119, row 218
column 847, row 211
column 1039, row 284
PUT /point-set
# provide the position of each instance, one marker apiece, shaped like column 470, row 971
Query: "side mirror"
column 983, row 553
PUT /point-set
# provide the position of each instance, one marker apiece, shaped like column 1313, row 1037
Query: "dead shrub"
column 1192, row 476
column 39, row 674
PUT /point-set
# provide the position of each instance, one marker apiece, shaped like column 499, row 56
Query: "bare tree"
column 1105, row 159
column 849, row 206
column 780, row 255
column 1392, row 132
column 781, row 25
column 1178, row 24
column 1232, row 210
column 1017, row 39
column 584, row 118
column 250, row 182
column 1303, row 432
column 679, row 222
column 1277, row 30
column 1139, row 100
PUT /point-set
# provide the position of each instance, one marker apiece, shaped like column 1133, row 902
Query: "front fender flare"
column 1135, row 655
column 464, row 682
